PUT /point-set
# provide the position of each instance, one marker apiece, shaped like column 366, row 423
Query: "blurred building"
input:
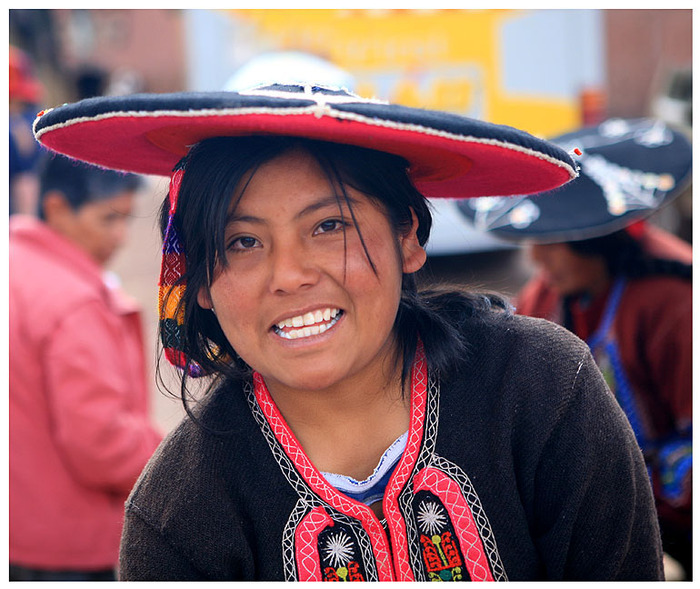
column 649, row 60
column 575, row 65
column 543, row 70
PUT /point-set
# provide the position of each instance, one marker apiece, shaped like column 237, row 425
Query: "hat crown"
column 319, row 93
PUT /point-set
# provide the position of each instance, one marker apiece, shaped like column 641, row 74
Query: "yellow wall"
column 441, row 59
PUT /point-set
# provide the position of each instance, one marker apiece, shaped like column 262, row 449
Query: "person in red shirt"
column 629, row 295
column 622, row 285
column 79, row 425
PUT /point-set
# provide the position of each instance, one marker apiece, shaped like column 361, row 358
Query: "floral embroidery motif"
column 439, row 545
column 337, row 550
column 430, row 518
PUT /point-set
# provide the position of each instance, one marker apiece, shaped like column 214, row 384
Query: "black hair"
column 624, row 256
column 81, row 183
column 214, row 171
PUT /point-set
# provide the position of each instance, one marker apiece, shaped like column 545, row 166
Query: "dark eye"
column 243, row 243
column 329, row 226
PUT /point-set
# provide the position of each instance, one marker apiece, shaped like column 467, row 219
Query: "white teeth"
column 311, row 318
column 312, row 323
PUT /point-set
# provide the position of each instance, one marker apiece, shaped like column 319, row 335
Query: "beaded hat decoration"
column 449, row 156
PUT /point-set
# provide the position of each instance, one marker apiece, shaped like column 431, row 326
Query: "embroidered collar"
column 331, row 536
column 316, row 490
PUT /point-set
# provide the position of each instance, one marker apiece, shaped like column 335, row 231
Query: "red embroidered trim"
column 394, row 518
column 318, row 483
column 450, row 493
column 306, row 543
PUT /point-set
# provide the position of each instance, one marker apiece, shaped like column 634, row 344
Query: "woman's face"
column 568, row 272
column 298, row 301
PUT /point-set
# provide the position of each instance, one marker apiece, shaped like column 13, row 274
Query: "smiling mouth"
column 312, row 323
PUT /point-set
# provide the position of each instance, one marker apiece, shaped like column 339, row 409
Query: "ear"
column 412, row 251
column 204, row 298
column 56, row 209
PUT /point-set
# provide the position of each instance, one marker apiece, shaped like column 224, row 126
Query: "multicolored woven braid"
column 171, row 287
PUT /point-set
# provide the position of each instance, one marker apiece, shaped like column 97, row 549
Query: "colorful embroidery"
column 440, row 551
column 339, row 556
column 675, row 464
column 460, row 507
column 435, row 521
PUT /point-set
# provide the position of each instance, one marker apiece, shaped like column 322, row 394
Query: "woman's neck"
column 346, row 429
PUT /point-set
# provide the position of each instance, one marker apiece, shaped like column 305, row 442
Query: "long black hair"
column 214, row 171
column 624, row 256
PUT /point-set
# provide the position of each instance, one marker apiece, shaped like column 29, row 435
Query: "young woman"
column 353, row 428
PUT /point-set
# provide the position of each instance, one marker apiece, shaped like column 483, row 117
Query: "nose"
column 291, row 269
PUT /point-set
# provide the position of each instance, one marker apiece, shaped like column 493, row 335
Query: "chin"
column 309, row 380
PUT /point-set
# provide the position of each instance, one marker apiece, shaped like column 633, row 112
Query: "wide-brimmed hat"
column 449, row 155
column 629, row 169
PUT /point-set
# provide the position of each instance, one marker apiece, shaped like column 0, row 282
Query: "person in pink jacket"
column 80, row 431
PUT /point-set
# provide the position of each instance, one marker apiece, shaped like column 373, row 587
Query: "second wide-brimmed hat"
column 629, row 169
column 449, row 155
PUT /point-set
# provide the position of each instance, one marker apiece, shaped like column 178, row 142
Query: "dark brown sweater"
column 519, row 465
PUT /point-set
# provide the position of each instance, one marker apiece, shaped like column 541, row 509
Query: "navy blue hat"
column 449, row 155
column 629, row 169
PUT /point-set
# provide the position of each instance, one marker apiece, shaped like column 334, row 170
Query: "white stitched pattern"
column 308, row 499
column 313, row 110
column 480, row 518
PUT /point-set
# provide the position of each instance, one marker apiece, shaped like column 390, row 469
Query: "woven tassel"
column 171, row 288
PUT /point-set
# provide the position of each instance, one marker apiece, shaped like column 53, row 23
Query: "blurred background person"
column 629, row 295
column 80, row 431
column 624, row 286
column 25, row 93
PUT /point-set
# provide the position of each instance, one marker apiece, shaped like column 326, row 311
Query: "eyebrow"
column 322, row 203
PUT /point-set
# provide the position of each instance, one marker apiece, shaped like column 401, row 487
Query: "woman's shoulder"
column 512, row 356
column 199, row 449
column 658, row 291
column 528, row 372
column 521, row 334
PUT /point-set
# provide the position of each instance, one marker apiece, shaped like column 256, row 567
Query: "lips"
column 308, row 324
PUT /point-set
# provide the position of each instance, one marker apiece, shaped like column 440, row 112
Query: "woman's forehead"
column 293, row 180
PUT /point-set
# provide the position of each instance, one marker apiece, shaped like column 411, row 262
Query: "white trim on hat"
column 312, row 110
